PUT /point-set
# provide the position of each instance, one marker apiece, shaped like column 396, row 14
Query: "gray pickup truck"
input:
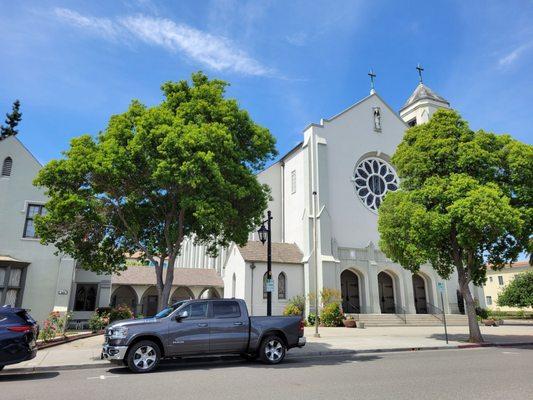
column 201, row 327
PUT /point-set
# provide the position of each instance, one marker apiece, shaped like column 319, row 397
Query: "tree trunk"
column 164, row 296
column 473, row 326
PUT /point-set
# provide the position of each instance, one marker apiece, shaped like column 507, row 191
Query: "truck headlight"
column 118, row 333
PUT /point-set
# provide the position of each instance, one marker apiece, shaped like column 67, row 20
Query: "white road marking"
column 510, row 352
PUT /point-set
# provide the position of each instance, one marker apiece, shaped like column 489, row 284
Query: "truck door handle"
column 203, row 325
column 237, row 323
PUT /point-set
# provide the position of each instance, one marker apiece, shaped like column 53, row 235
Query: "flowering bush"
column 97, row 322
column 121, row 312
column 332, row 315
column 54, row 325
column 48, row 332
column 292, row 309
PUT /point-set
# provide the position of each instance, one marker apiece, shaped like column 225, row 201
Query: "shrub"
column 311, row 318
column 298, row 301
column 54, row 325
column 48, row 332
column 482, row 313
column 103, row 310
column 121, row 312
column 332, row 315
column 329, row 296
column 98, row 322
column 292, row 309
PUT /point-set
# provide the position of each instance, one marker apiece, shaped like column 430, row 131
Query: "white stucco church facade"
column 342, row 164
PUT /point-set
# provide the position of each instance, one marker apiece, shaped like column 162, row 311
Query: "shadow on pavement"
column 237, row 362
column 8, row 377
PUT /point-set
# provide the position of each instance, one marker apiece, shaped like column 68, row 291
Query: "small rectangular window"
column 85, row 299
column 226, row 309
column 489, row 300
column 490, row 278
column 500, row 280
column 293, row 182
column 29, row 224
column 412, row 122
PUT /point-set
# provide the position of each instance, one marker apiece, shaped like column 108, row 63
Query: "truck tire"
column 1, row 367
column 272, row 350
column 143, row 356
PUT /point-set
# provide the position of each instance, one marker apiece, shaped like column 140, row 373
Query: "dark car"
column 18, row 336
column 199, row 328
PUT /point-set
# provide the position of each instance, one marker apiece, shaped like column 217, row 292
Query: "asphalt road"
column 482, row 373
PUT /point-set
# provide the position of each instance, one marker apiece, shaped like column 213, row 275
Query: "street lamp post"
column 265, row 235
column 252, row 267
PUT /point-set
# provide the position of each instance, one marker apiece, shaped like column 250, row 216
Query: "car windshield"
column 167, row 311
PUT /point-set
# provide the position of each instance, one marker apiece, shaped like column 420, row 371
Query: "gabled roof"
column 145, row 275
column 423, row 92
column 283, row 253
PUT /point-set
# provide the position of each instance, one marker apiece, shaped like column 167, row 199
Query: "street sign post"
column 440, row 288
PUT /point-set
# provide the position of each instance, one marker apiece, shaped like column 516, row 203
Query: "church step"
column 410, row 319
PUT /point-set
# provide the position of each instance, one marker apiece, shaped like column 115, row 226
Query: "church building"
column 340, row 173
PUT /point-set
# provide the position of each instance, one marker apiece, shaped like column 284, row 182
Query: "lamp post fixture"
column 252, row 267
column 265, row 235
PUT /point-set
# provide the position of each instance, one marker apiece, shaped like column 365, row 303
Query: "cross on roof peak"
column 420, row 69
column 372, row 75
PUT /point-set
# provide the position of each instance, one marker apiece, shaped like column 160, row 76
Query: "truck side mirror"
column 181, row 315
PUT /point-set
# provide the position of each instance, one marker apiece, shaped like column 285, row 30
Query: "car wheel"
column 143, row 356
column 273, row 350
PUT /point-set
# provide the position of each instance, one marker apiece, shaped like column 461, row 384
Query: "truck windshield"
column 167, row 311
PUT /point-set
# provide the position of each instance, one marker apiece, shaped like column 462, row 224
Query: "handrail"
column 435, row 311
column 400, row 313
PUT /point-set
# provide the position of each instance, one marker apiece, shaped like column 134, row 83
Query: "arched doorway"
column 209, row 293
column 350, row 292
column 386, row 293
column 124, row 295
column 182, row 293
column 149, row 302
column 419, row 292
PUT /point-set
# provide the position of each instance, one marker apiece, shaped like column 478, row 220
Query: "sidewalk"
column 85, row 353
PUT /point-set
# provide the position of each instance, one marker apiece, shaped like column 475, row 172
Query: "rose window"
column 372, row 179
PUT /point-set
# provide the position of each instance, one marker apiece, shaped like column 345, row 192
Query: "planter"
column 349, row 323
column 490, row 322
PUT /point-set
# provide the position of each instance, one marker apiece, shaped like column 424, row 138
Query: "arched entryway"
column 181, row 293
column 124, row 295
column 419, row 293
column 350, row 292
column 209, row 293
column 149, row 302
column 386, row 293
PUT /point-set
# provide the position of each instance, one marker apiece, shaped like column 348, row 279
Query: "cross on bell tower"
column 372, row 75
column 420, row 69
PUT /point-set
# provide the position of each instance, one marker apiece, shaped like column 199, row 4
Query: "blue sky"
column 73, row 63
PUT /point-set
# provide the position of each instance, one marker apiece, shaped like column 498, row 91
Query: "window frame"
column 214, row 303
column 190, row 304
column 5, row 286
column 96, row 296
column 500, row 280
column 293, row 181
column 488, row 300
column 32, row 218
column 4, row 167
column 284, row 275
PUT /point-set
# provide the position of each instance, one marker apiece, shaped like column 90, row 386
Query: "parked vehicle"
column 18, row 336
column 201, row 327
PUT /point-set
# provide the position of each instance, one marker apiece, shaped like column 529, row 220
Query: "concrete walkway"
column 85, row 353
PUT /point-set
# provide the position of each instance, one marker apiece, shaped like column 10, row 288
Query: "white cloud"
column 101, row 26
column 514, row 55
column 216, row 52
column 297, row 39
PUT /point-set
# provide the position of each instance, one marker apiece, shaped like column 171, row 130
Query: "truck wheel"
column 272, row 350
column 143, row 356
column 1, row 367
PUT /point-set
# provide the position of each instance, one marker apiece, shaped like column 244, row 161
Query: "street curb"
column 289, row 356
column 67, row 339
column 406, row 349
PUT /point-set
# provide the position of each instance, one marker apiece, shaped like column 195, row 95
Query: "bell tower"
column 422, row 103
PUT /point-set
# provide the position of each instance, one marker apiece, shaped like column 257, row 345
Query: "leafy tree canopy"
column 465, row 200
column 519, row 292
column 155, row 175
column 12, row 120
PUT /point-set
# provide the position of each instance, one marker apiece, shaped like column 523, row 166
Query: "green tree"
column 518, row 293
column 12, row 120
column 183, row 168
column 465, row 200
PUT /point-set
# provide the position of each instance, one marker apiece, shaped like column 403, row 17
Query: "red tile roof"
column 145, row 275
